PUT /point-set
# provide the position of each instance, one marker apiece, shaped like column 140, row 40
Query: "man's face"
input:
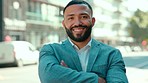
column 78, row 22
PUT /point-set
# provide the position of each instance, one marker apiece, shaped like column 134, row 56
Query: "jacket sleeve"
column 116, row 72
column 50, row 70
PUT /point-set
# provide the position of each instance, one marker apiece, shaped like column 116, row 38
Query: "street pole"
column 1, row 20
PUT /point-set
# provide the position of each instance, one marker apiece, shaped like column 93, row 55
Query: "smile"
column 78, row 29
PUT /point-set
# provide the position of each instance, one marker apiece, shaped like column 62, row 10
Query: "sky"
column 133, row 5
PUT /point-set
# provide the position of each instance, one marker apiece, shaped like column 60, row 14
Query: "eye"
column 70, row 18
column 84, row 17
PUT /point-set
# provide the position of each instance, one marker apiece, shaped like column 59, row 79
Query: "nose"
column 77, row 22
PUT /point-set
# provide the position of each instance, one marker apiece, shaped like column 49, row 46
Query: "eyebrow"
column 74, row 14
column 69, row 15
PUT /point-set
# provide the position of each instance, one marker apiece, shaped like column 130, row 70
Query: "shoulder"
column 104, row 47
column 50, row 45
column 108, row 51
column 59, row 45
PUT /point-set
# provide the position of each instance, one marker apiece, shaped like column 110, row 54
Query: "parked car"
column 18, row 53
column 124, row 49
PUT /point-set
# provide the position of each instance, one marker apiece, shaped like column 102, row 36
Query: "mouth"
column 78, row 29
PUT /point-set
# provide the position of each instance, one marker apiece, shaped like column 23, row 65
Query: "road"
column 137, row 61
column 137, row 67
column 137, row 71
column 26, row 74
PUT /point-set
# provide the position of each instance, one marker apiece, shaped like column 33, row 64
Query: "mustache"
column 83, row 26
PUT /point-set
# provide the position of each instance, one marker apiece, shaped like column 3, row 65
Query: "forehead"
column 77, row 8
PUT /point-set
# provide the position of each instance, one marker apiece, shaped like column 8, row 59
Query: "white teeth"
column 77, row 29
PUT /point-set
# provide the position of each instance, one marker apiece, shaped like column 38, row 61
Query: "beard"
column 81, row 38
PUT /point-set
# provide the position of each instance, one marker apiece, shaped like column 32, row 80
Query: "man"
column 80, row 58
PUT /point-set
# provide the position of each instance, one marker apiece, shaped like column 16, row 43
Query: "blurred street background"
column 120, row 23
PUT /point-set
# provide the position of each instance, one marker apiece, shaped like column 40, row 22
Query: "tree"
column 138, row 26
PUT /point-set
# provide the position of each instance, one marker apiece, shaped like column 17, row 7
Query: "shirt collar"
column 89, row 43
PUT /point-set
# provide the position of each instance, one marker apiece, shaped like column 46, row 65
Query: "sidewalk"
column 136, row 75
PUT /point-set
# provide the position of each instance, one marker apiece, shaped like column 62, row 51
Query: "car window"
column 31, row 47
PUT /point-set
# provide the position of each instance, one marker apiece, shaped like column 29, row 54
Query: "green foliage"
column 138, row 26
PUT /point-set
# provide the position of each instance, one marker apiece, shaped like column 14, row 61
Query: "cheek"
column 68, row 25
column 87, row 22
column 91, row 23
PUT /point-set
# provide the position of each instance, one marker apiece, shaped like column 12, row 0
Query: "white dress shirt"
column 83, row 54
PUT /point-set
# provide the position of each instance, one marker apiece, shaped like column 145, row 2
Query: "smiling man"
column 80, row 58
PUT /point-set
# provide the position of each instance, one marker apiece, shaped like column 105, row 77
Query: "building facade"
column 36, row 21
column 111, row 20
column 14, row 19
column 39, row 21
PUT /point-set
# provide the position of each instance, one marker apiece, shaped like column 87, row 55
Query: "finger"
column 63, row 63
column 101, row 80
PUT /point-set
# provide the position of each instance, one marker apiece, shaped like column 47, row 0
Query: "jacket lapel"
column 73, row 56
column 94, row 51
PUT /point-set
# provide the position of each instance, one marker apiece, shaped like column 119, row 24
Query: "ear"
column 93, row 21
column 63, row 24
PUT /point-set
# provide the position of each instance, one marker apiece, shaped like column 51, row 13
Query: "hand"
column 101, row 80
column 63, row 63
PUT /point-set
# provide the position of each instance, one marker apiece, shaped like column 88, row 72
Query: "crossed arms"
column 53, row 70
column 50, row 71
column 100, row 80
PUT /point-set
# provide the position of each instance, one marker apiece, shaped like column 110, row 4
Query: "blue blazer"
column 104, row 61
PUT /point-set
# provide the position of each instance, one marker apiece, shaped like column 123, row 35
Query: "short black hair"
column 73, row 2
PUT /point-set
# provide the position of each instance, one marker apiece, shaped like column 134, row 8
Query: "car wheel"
column 19, row 63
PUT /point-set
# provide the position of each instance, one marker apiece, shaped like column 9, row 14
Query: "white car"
column 18, row 53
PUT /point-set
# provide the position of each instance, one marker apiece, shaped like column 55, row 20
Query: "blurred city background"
column 119, row 23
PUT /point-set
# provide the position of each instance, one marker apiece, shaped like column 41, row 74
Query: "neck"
column 81, row 44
